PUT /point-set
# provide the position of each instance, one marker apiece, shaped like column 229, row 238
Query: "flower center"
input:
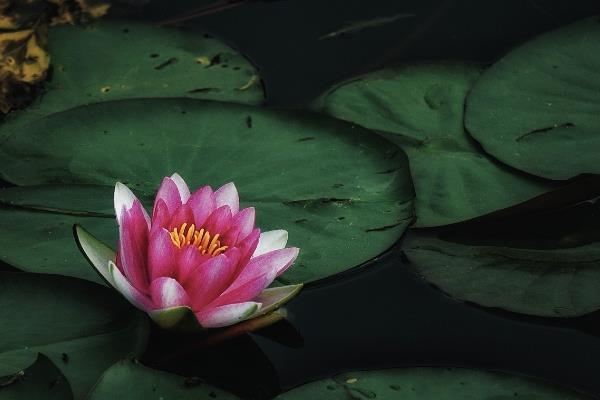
column 202, row 240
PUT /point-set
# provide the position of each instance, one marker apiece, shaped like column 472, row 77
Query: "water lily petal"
column 228, row 195
column 160, row 215
column 127, row 290
column 169, row 193
column 202, row 203
column 248, row 247
column 241, row 226
column 244, row 292
column 271, row 240
column 118, row 258
column 137, row 215
column 271, row 264
column 167, row 292
column 97, row 253
column 123, row 200
column 182, row 187
column 182, row 215
column 293, row 252
column 169, row 317
column 188, row 259
column 209, row 280
column 219, row 221
column 133, row 242
column 274, row 298
column 233, row 255
column 227, row 315
column 161, row 254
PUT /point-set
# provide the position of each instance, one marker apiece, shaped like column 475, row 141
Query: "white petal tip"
column 123, row 198
column 182, row 187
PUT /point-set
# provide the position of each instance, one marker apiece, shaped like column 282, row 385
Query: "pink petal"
column 118, row 258
column 242, row 225
column 169, row 193
column 209, row 280
column 247, row 247
column 162, row 254
column 271, row 264
column 227, row 315
column 271, row 240
column 202, row 203
column 188, row 260
column 244, row 292
column 123, row 200
column 285, row 266
column 234, row 255
column 227, row 195
column 133, row 241
column 219, row 221
column 127, row 290
column 167, row 292
column 182, row 187
column 183, row 214
column 160, row 215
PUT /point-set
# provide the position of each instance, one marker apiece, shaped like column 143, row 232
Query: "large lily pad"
column 37, row 226
column 41, row 381
column 344, row 194
column 82, row 327
column 537, row 108
column 140, row 383
column 114, row 60
column 429, row 384
column 420, row 108
column 530, row 267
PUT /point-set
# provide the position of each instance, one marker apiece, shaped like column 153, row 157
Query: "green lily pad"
column 548, row 265
column 82, row 327
column 420, row 108
column 141, row 383
column 430, row 384
column 537, row 108
column 88, row 67
column 42, row 380
column 344, row 194
column 37, row 226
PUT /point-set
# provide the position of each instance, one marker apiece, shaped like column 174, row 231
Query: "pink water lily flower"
column 199, row 254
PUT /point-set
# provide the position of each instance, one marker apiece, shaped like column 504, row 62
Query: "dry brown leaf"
column 78, row 11
column 24, row 59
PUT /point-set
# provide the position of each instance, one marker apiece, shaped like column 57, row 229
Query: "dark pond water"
column 348, row 324
column 281, row 36
column 345, row 323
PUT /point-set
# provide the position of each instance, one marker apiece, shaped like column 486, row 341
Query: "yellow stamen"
column 175, row 238
column 219, row 250
column 205, row 240
column 198, row 236
column 182, row 233
column 200, row 239
column 215, row 240
column 191, row 231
